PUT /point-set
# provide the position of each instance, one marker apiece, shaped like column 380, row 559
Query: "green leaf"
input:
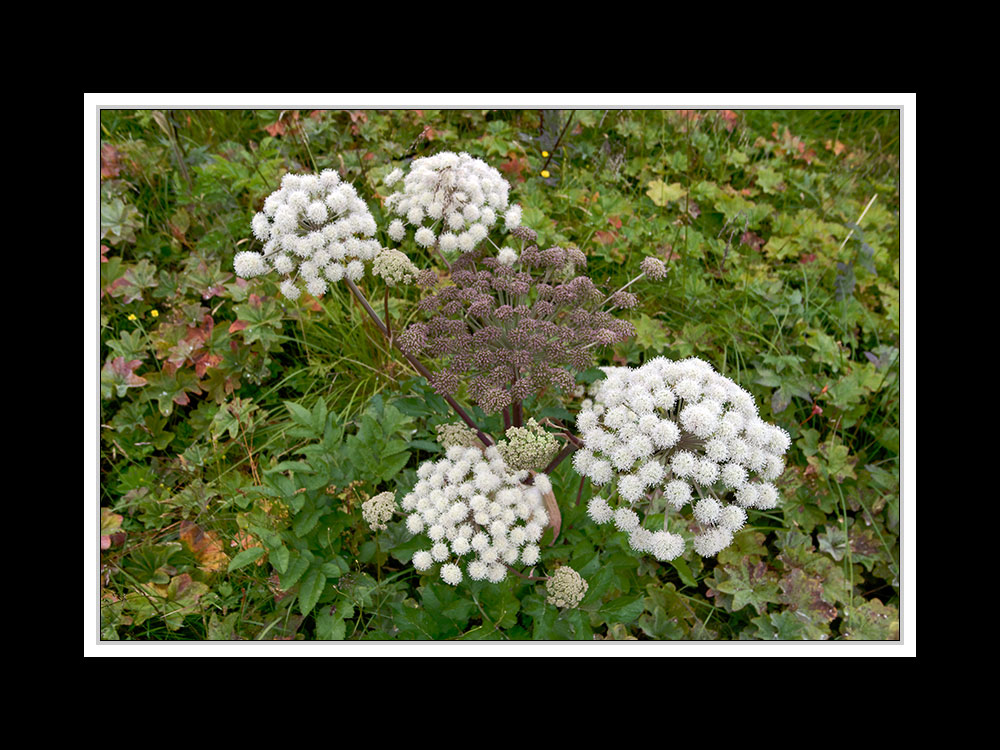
column 769, row 181
column 296, row 568
column 279, row 558
column 119, row 221
column 750, row 582
column 335, row 568
column 684, row 571
column 310, row 590
column 170, row 389
column 872, row 621
column 661, row 193
column 624, row 609
column 650, row 334
column 306, row 521
column 245, row 557
column 330, row 627
column 301, row 416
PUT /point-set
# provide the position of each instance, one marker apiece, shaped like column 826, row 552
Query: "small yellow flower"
column 545, row 173
column 545, row 154
column 155, row 313
column 131, row 316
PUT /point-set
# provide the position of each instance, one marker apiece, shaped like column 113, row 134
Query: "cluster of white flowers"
column 528, row 447
column 565, row 588
column 470, row 503
column 456, row 433
column 315, row 229
column 686, row 429
column 394, row 267
column 378, row 511
column 450, row 199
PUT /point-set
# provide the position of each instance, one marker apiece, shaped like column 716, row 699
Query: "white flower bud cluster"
column 456, row 433
column 378, row 511
column 315, row 229
column 452, row 200
column 394, row 267
column 528, row 447
column 472, row 505
column 565, row 588
column 689, row 431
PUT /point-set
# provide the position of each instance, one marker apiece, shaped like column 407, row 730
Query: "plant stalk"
column 416, row 364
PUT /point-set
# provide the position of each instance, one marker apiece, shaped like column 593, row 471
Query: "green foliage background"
column 240, row 433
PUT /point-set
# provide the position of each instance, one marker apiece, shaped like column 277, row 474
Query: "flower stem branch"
column 567, row 449
column 517, row 572
column 416, row 364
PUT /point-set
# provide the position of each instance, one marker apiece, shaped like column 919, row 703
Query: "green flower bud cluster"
column 566, row 588
column 457, row 433
column 394, row 267
column 528, row 447
column 378, row 510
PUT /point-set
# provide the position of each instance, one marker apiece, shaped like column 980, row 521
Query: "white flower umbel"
column 451, row 201
column 475, row 511
column 689, row 431
column 315, row 230
column 378, row 510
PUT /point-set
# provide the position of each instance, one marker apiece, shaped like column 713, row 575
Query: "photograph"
column 404, row 376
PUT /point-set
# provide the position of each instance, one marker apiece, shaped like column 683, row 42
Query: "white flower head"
column 477, row 513
column 378, row 511
column 683, row 428
column 309, row 221
column 451, row 574
column 456, row 193
column 599, row 510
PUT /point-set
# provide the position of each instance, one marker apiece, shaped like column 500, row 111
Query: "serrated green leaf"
column 245, row 557
column 279, row 558
column 310, row 590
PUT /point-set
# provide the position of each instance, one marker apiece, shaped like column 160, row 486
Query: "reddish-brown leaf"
column 206, row 547
column 752, row 240
column 213, row 291
column 515, row 166
column 110, row 161
column 204, row 361
column 125, row 370
column 729, row 118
